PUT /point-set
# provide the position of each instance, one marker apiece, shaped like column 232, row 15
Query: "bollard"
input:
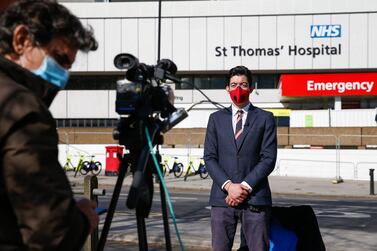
column 371, row 174
column 92, row 192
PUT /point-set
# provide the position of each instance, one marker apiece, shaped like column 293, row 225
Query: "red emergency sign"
column 331, row 84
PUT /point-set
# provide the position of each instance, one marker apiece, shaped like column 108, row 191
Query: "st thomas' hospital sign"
column 316, row 31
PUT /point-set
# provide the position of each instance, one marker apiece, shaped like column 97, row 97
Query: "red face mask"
column 239, row 95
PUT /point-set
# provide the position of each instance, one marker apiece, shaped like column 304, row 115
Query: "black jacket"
column 37, row 209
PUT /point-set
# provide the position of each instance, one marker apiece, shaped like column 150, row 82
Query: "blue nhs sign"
column 325, row 30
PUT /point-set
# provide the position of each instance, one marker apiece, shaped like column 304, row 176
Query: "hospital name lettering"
column 291, row 50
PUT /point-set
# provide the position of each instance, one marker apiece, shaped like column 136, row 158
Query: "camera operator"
column 39, row 40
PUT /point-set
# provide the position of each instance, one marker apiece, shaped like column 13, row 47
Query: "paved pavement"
column 279, row 185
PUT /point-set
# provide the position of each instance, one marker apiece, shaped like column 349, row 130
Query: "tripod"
column 140, row 196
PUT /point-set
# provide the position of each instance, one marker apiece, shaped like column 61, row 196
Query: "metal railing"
column 363, row 163
column 335, row 163
column 195, row 140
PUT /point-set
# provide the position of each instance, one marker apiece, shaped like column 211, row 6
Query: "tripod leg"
column 114, row 200
column 165, row 218
column 163, row 202
column 141, row 231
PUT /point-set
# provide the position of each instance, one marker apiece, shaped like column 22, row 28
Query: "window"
column 187, row 83
column 202, row 81
column 93, row 82
column 282, row 121
column 266, row 81
column 86, row 123
column 218, row 82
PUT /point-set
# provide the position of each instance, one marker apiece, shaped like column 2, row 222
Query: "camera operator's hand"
column 88, row 207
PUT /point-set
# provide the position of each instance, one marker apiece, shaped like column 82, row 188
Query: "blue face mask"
column 52, row 72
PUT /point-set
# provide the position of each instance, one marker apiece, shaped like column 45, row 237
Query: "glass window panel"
column 208, row 81
column 59, row 123
column 187, row 85
column 93, row 82
column 101, row 123
column 88, row 122
column 267, row 81
column 74, row 123
column 202, row 82
column 282, row 121
column 218, row 82
column 80, row 123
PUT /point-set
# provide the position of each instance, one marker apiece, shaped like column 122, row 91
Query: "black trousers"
column 255, row 224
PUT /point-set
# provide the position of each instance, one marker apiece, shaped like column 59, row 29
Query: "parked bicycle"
column 201, row 170
column 68, row 166
column 92, row 166
column 177, row 167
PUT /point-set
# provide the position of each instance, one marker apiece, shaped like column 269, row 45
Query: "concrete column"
column 337, row 103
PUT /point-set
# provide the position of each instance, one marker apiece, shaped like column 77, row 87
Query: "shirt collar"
column 235, row 109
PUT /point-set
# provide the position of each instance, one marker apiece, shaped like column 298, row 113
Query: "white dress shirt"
column 245, row 110
column 234, row 115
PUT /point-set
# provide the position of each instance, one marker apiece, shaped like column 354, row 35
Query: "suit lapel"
column 250, row 119
column 228, row 123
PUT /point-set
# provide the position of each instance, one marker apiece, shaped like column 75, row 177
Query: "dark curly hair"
column 240, row 71
column 45, row 20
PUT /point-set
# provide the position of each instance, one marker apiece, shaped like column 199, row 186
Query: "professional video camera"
column 145, row 95
column 145, row 103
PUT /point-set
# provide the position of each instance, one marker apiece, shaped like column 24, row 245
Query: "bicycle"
column 68, row 166
column 191, row 171
column 177, row 167
column 92, row 166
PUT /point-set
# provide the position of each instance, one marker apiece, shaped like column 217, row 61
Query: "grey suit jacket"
column 251, row 161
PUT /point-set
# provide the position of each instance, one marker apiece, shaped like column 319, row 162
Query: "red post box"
column 112, row 161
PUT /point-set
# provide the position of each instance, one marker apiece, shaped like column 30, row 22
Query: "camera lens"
column 125, row 61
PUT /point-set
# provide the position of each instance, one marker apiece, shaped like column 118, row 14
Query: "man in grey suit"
column 240, row 152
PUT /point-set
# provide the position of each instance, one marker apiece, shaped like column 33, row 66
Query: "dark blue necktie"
column 238, row 131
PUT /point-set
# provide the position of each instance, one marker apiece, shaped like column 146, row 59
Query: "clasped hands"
column 237, row 193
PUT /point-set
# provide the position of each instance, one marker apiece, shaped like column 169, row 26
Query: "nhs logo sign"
column 325, row 30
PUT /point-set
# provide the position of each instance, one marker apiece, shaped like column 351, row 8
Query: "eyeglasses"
column 243, row 85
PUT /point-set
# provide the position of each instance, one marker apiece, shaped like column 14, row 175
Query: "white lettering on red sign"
column 340, row 87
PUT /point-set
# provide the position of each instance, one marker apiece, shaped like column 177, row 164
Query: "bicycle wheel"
column 85, row 167
column 178, row 170
column 96, row 168
column 203, row 172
